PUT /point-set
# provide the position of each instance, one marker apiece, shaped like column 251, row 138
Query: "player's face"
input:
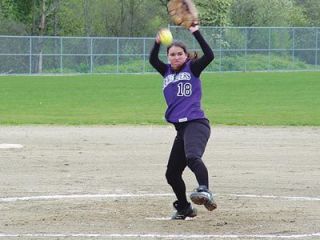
column 176, row 57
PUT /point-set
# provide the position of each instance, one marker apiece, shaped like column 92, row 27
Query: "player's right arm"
column 154, row 58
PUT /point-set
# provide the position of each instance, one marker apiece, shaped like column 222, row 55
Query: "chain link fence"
column 235, row 48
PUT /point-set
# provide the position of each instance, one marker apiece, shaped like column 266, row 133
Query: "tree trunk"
column 41, row 32
column 121, row 29
column 34, row 18
column 86, row 14
column 56, row 18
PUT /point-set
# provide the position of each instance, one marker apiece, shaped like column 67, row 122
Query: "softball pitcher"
column 182, row 92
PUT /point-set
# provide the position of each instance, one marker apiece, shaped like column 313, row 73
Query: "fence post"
column 220, row 45
column 144, row 55
column 269, row 51
column 117, row 55
column 246, row 50
column 91, row 57
column 61, row 55
column 293, row 44
column 317, row 47
column 30, row 55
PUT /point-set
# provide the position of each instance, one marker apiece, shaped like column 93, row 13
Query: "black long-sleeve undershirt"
column 196, row 66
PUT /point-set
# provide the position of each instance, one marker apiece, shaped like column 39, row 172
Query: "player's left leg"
column 203, row 196
column 196, row 136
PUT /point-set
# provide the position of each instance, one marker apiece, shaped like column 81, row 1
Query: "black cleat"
column 202, row 196
column 188, row 211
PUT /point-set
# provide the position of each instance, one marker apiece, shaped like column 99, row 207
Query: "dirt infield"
column 108, row 182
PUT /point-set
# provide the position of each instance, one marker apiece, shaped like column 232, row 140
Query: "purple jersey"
column 182, row 92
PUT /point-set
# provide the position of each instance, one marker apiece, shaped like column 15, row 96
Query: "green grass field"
column 291, row 98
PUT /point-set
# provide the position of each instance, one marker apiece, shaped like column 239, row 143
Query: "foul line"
column 166, row 236
column 129, row 195
column 82, row 196
column 276, row 197
column 9, row 146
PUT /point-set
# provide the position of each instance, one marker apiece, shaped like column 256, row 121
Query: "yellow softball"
column 165, row 36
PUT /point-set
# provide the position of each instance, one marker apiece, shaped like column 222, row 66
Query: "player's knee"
column 171, row 177
column 193, row 156
column 194, row 162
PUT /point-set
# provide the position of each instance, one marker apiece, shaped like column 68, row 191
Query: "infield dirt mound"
column 266, row 181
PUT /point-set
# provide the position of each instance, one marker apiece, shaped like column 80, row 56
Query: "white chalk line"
column 10, row 145
column 149, row 195
column 82, row 196
column 167, row 218
column 276, row 197
column 165, row 236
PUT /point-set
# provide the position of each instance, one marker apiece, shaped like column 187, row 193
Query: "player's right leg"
column 183, row 212
column 176, row 165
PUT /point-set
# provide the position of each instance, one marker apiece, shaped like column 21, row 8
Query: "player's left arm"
column 198, row 65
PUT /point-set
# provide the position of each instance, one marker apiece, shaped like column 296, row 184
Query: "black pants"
column 187, row 150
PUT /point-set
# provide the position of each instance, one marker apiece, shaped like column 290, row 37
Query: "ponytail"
column 193, row 55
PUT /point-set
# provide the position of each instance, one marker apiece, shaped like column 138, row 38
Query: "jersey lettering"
column 171, row 78
column 184, row 89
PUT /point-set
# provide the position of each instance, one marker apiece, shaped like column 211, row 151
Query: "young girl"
column 182, row 92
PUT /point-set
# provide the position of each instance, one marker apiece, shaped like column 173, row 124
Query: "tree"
column 111, row 17
column 213, row 12
column 311, row 9
column 41, row 10
column 134, row 17
column 266, row 13
column 11, row 19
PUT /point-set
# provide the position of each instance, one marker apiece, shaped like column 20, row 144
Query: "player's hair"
column 190, row 55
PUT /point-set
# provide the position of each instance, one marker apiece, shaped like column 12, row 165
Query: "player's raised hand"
column 194, row 28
